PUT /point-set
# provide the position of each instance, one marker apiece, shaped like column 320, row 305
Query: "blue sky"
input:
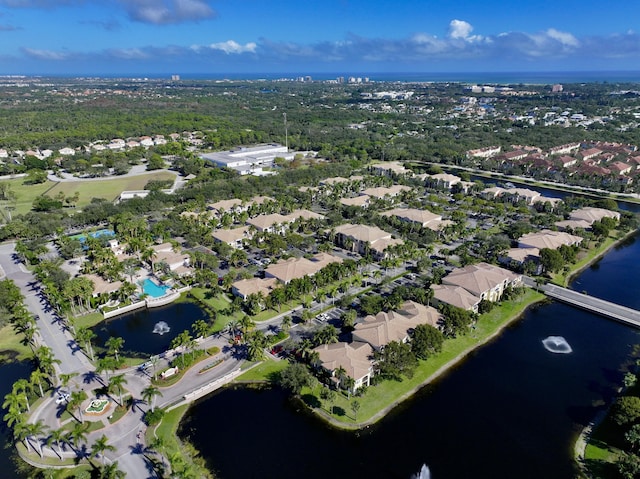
column 309, row 36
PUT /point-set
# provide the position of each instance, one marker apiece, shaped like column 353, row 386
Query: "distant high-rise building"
column 557, row 88
column 175, row 77
column 307, row 78
column 340, row 79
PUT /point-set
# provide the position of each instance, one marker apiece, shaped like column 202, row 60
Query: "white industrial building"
column 248, row 160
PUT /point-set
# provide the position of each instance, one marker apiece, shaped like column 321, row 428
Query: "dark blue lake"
column 10, row 372
column 511, row 410
column 137, row 328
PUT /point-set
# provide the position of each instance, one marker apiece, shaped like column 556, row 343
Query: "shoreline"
column 435, row 375
column 583, row 438
column 323, row 415
column 463, row 354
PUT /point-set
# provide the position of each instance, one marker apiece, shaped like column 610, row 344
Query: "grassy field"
column 107, row 189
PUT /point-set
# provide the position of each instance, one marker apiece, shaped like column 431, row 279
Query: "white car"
column 62, row 398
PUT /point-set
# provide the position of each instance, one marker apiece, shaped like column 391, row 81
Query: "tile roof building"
column 295, row 268
column 355, row 358
column 483, row 280
column 381, row 329
column 455, row 296
column 364, row 237
column 247, row 287
column 548, row 239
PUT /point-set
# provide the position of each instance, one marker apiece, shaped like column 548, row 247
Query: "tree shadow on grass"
column 597, row 468
column 338, row 411
column 311, row 400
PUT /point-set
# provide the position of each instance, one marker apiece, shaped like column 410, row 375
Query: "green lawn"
column 265, row 371
column 25, row 194
column 385, row 395
column 168, row 430
column 107, row 189
column 10, row 341
column 586, row 258
column 217, row 304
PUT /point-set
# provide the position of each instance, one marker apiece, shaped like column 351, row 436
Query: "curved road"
column 126, row 435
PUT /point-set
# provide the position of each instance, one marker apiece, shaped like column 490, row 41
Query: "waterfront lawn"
column 382, row 397
column 88, row 320
column 601, row 452
column 586, row 258
column 265, row 371
column 10, row 341
column 217, row 304
column 173, row 447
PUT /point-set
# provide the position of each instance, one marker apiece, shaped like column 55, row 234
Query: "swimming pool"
column 152, row 289
column 104, row 233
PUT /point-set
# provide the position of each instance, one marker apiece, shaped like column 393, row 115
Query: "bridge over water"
column 615, row 311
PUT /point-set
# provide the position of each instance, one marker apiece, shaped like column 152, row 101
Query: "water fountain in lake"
column 423, row 474
column 557, row 345
column 161, row 327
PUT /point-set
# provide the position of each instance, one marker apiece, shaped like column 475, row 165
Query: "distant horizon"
column 532, row 77
column 116, row 37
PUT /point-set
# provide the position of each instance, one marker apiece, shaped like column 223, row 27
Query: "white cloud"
column 231, row 46
column 459, row 29
column 563, row 37
column 507, row 49
column 161, row 12
column 46, row 54
column 129, row 53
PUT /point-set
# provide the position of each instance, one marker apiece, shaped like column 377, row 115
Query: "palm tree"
column 13, row 416
column 12, row 402
column 111, row 471
column 340, row 373
column 100, row 447
column 78, row 434
column 65, row 379
column 201, row 328
column 75, row 402
column 57, row 436
column 286, row 323
column 149, row 395
column 85, row 335
column 117, row 382
column 35, row 429
column 246, row 324
column 106, row 365
column 349, row 384
column 22, row 387
column 114, row 344
column 44, row 358
column 36, row 378
column 158, row 445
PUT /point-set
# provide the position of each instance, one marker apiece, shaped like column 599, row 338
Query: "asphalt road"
column 126, row 435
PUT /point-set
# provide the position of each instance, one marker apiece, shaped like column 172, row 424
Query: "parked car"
column 63, row 397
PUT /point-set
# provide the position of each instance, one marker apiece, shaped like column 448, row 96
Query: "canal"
column 512, row 409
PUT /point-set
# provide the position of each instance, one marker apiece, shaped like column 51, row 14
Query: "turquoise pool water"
column 152, row 289
column 104, row 233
